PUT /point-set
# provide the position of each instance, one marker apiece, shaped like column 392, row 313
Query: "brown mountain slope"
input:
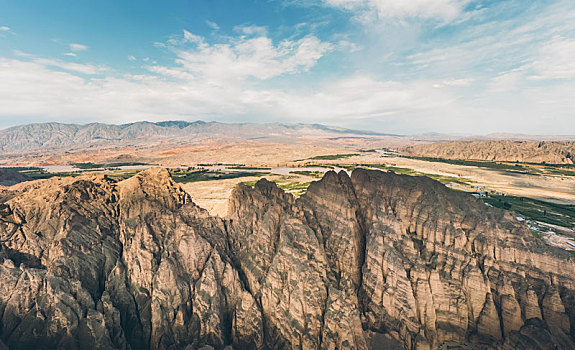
column 9, row 177
column 550, row 152
column 94, row 263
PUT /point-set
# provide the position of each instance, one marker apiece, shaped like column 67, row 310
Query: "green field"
column 533, row 209
column 316, row 174
column 295, row 188
column 35, row 173
column 187, row 176
column 522, row 168
column 90, row 165
column 334, row 156
column 242, row 167
column 406, row 171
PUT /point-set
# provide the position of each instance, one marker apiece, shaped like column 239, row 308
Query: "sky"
column 397, row 66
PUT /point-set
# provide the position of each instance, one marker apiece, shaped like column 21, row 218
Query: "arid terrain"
column 354, row 263
column 326, row 239
column 550, row 152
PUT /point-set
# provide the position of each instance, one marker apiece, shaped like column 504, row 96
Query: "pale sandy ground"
column 557, row 236
column 213, row 195
column 558, row 189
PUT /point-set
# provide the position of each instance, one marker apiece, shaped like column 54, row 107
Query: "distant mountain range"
column 59, row 135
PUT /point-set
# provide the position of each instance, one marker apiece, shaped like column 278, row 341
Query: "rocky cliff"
column 550, row 152
column 92, row 262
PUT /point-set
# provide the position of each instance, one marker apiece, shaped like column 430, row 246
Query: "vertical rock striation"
column 92, row 262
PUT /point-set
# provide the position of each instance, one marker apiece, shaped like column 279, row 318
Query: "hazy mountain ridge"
column 59, row 135
column 91, row 262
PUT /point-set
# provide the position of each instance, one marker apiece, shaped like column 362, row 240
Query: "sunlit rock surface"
column 359, row 262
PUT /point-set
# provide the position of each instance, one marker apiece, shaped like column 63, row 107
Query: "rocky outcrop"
column 550, row 152
column 10, row 177
column 92, row 262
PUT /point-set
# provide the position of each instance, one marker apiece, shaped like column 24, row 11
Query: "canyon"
column 96, row 262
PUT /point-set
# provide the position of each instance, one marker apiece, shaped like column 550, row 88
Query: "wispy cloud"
column 556, row 60
column 5, row 28
column 213, row 25
column 68, row 66
column 457, row 66
column 78, row 47
column 71, row 54
column 35, row 89
column 251, row 30
column 372, row 10
column 243, row 57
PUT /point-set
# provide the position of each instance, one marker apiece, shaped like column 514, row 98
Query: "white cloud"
column 251, row 30
column 78, row 47
column 31, row 89
column 506, row 82
column 556, row 60
column 243, row 57
column 538, row 44
column 381, row 9
column 187, row 37
column 484, row 77
column 5, row 28
column 455, row 82
column 131, row 58
column 349, row 46
column 71, row 54
column 69, row 66
column 213, row 25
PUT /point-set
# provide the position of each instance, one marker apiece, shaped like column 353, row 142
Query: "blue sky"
column 452, row 66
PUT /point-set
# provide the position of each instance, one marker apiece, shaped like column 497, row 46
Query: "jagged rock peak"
column 91, row 262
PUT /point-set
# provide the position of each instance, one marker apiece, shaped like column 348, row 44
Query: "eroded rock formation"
column 92, row 262
column 550, row 152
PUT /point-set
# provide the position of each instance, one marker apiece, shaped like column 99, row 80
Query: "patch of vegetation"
column 123, row 175
column 406, row 171
column 24, row 169
column 242, row 167
column 514, row 167
column 533, row 209
column 315, row 174
column 36, row 173
column 535, row 233
column 318, row 166
column 295, row 188
column 334, row 156
column 220, row 164
column 250, row 183
column 557, row 171
column 187, row 176
column 90, row 165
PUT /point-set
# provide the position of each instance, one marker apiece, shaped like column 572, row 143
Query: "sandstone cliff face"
column 550, row 152
column 96, row 263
